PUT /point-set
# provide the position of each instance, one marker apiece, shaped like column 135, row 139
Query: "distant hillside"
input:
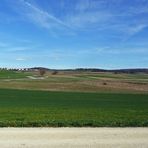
column 137, row 70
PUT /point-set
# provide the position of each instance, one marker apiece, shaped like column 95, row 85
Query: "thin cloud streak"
column 95, row 15
column 42, row 17
column 20, row 59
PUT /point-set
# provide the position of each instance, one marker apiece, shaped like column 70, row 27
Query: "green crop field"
column 55, row 109
column 73, row 99
column 4, row 74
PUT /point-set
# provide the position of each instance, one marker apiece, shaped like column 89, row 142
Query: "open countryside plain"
column 70, row 99
column 76, row 81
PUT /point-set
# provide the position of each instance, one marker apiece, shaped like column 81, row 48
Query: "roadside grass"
column 22, row 108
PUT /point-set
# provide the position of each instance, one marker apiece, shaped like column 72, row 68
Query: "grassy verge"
column 22, row 108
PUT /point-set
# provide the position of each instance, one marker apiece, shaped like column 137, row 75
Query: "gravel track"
column 74, row 137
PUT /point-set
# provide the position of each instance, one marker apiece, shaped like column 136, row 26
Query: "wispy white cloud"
column 120, row 51
column 81, row 6
column 21, row 59
column 85, row 20
column 41, row 17
column 135, row 29
column 26, row 41
column 16, row 49
column 109, row 15
column 106, row 50
column 91, row 14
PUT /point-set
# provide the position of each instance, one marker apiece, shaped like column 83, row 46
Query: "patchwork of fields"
column 78, row 99
column 76, row 81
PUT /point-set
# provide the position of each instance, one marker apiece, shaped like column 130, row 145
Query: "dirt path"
column 74, row 137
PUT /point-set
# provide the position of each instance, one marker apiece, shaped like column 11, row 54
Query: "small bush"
column 42, row 72
column 54, row 72
column 104, row 83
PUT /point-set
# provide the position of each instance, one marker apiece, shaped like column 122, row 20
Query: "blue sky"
column 74, row 33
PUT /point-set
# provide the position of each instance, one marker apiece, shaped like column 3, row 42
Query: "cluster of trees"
column 43, row 71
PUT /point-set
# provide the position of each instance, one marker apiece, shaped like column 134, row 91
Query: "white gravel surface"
column 74, row 138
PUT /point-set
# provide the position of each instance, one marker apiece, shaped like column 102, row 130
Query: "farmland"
column 76, row 81
column 42, row 108
column 73, row 99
